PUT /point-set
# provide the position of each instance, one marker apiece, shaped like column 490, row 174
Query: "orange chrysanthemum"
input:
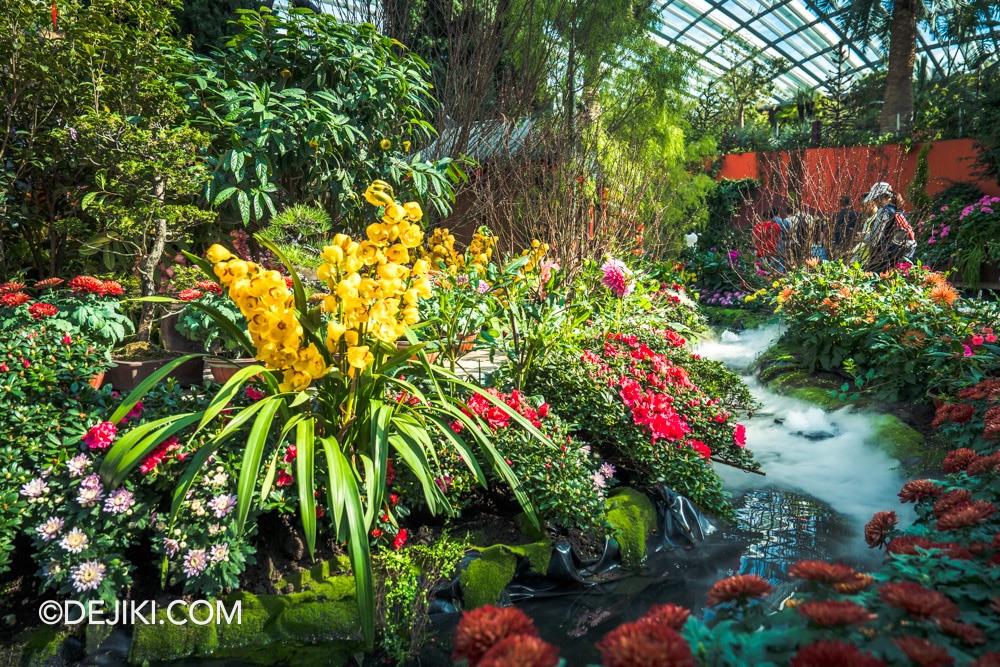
column 918, row 489
column 834, row 613
column 87, row 285
column 12, row 286
column 918, row 601
column 934, row 278
column 833, row 654
column 670, row 615
column 741, row 587
column 943, row 293
column 482, row 628
column 647, row 644
column 877, row 530
column 821, row 572
column 924, row 653
column 812, row 262
column 521, row 651
column 14, row 299
column 49, row 282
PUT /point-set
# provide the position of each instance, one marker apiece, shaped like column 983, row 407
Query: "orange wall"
column 823, row 175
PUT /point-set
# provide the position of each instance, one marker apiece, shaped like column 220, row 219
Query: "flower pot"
column 97, row 380
column 467, row 344
column 224, row 369
column 431, row 356
column 173, row 340
column 126, row 375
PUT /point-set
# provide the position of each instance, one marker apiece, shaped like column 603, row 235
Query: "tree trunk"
column 897, row 107
column 147, row 267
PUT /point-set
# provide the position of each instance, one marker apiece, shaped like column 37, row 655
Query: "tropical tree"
column 895, row 27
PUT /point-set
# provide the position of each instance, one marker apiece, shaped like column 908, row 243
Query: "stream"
column 823, row 483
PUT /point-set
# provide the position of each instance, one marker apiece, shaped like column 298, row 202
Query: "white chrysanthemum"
column 74, row 541
column 50, row 529
column 87, row 576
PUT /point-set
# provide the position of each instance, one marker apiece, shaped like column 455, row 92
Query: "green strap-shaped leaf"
column 144, row 437
column 305, row 468
column 225, row 395
column 342, row 475
column 252, row 456
column 136, row 394
column 416, row 461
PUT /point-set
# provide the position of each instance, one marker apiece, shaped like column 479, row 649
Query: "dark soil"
column 142, row 351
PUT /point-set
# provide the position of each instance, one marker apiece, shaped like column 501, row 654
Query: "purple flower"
column 78, row 465
column 35, row 488
column 119, row 501
column 88, row 496
column 195, row 562
column 219, row 553
column 222, row 505
column 607, row 470
column 92, row 481
column 968, row 351
column 87, row 576
column 944, row 208
column 48, row 530
column 599, row 481
column 171, row 546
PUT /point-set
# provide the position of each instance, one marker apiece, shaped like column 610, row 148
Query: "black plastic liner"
column 679, row 524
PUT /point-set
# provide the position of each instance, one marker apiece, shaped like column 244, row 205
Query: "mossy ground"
column 737, row 319
column 632, row 518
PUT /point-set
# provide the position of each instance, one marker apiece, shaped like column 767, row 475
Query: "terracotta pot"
column 97, row 380
column 937, row 400
column 224, row 369
column 126, row 375
column 431, row 356
column 173, row 340
column 467, row 344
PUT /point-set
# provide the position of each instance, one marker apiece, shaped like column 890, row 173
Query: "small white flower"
column 171, row 546
column 74, row 542
column 222, row 505
column 87, row 576
column 195, row 562
column 198, row 507
column 214, row 529
column 35, row 488
column 50, row 529
column 220, row 479
column 219, row 553
column 119, row 501
column 78, row 465
column 88, row 496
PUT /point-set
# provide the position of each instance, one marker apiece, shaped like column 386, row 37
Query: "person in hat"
column 889, row 238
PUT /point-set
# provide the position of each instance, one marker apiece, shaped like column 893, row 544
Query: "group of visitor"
column 884, row 238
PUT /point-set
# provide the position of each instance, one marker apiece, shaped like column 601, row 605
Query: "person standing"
column 844, row 223
column 890, row 238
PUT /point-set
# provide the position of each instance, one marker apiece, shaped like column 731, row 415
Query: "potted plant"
column 197, row 324
column 136, row 361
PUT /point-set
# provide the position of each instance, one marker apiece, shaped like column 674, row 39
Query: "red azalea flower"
column 100, row 436
column 189, row 294
column 209, row 286
column 254, row 394
column 283, row 479
column 918, row 601
column 877, row 530
column 481, row 629
column 290, row 454
column 740, row 587
column 3, row 367
column 376, row 532
column 400, row 540
column 740, row 436
column 923, row 652
column 834, row 613
column 521, row 651
column 14, row 299
column 393, row 498
column 822, row 572
column 646, row 644
column 40, row 310
column 833, row 654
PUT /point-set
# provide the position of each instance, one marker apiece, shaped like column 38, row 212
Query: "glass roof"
column 806, row 37
column 798, row 31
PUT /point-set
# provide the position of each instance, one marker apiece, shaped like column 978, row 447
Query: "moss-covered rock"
column 736, row 319
column 46, row 646
column 537, row 554
column 905, row 444
column 324, row 612
column 632, row 518
column 485, row 578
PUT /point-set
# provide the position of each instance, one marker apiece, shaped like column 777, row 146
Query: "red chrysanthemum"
column 924, row 653
column 670, row 615
column 958, row 460
column 113, row 288
column 962, row 413
column 951, row 500
column 833, row 613
column 906, row 545
column 14, row 299
column 918, row 489
column 521, row 651
column 833, row 654
column 87, row 285
column 822, row 572
column 646, row 644
column 974, row 512
column 11, row 286
column 987, row 660
column 918, row 601
column 482, row 628
column 877, row 530
column 209, row 286
column 40, row 310
column 857, row 584
column 189, row 294
column 49, row 282
column 740, row 587
column 967, row 632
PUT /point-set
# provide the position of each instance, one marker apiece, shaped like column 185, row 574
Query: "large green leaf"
column 136, row 394
column 305, row 464
column 252, row 456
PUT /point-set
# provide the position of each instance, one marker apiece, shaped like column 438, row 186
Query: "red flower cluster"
column 158, row 454
column 400, row 540
column 209, row 286
column 497, row 417
column 877, row 530
column 49, row 282
column 956, row 413
column 924, row 653
column 521, row 651
column 12, row 286
column 918, row 601
column 40, row 310
column 644, row 643
column 653, row 410
column 834, row 613
column 189, row 294
column 821, row 572
column 918, row 489
column 14, row 299
column 100, row 436
column 91, row 285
